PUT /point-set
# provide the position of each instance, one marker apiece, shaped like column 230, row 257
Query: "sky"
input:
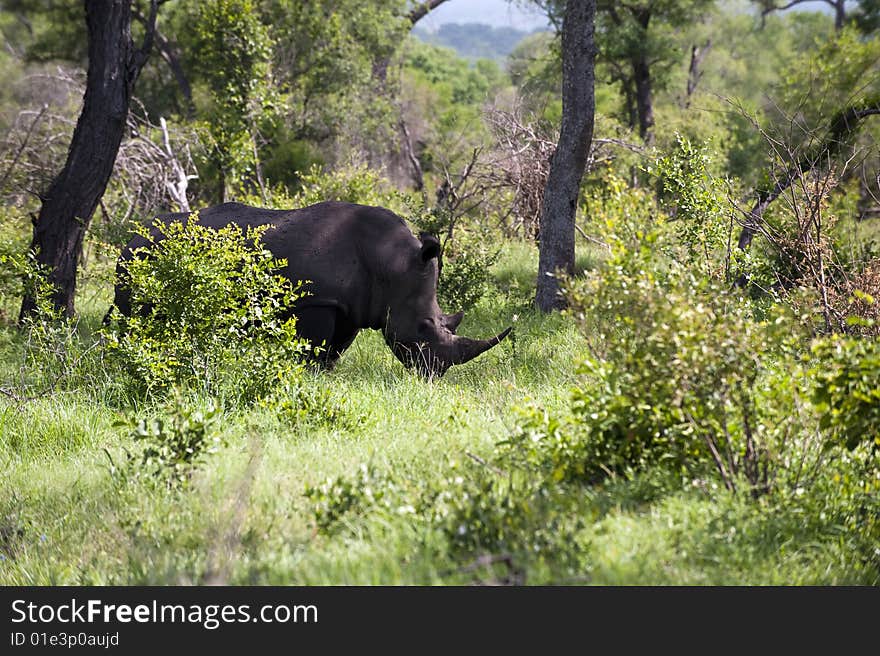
column 498, row 13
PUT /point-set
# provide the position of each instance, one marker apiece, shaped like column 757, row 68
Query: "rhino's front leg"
column 328, row 330
column 316, row 325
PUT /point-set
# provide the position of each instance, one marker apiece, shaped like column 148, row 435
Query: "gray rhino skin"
column 366, row 270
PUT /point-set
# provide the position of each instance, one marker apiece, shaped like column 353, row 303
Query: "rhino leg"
column 327, row 328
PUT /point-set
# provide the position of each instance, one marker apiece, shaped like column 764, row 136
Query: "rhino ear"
column 451, row 321
column 430, row 246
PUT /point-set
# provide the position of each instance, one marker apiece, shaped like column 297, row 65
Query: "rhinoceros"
column 365, row 269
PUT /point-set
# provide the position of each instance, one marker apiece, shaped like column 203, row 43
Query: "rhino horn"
column 467, row 349
column 452, row 321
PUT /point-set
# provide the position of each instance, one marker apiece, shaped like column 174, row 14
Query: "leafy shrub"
column 677, row 378
column 56, row 355
column 209, row 307
column 336, row 498
column 847, row 389
column 696, row 203
column 16, row 264
column 303, row 399
column 480, row 511
column 176, row 442
column 466, row 278
column 352, row 184
column 844, row 499
column 677, row 363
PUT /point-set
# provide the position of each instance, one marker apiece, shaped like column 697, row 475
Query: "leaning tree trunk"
column 68, row 205
column 570, row 158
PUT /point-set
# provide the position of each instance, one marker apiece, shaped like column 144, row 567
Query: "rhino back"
column 350, row 256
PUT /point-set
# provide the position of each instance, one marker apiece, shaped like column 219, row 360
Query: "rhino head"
column 418, row 332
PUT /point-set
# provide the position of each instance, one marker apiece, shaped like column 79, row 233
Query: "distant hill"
column 474, row 40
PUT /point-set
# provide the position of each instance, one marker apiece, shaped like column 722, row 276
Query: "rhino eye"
column 426, row 326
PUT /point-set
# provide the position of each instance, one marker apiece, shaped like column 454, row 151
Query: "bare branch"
column 839, row 131
column 24, row 144
column 139, row 56
column 168, row 53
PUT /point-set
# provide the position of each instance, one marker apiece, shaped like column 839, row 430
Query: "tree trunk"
column 694, row 72
column 570, row 158
column 644, row 98
column 67, row 208
column 839, row 14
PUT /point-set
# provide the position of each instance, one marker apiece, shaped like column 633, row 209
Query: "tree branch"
column 24, row 144
column 770, row 6
column 420, row 11
column 418, row 176
column 139, row 56
column 840, row 129
column 166, row 51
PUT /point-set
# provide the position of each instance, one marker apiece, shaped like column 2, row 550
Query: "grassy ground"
column 67, row 515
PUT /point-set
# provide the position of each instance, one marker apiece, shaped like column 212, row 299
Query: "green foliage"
column 326, row 62
column 677, row 363
column 443, row 99
column 352, row 184
column 642, row 34
column 535, row 71
column 334, row 499
column 847, row 389
column 17, row 274
column 232, row 53
column 840, row 72
column 305, row 400
column 608, row 473
column 177, row 441
column 466, row 276
column 475, row 41
column 523, row 518
column 467, row 258
column 460, row 83
column 207, row 307
column 475, row 511
column 56, row 356
column 701, row 215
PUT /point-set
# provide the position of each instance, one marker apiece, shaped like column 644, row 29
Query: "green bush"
column 304, row 399
column 351, row 184
column 178, row 440
column 342, row 497
column 695, row 200
column 56, row 356
column 846, row 374
column 208, row 308
column 466, row 278
column 480, row 511
column 16, row 264
column 477, row 512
